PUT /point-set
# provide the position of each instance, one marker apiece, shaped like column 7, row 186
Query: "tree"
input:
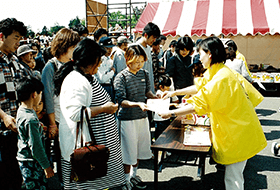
column 30, row 32
column 45, row 31
column 55, row 28
column 116, row 17
column 75, row 22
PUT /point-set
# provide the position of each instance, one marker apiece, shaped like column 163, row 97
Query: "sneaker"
column 275, row 148
column 138, row 183
column 127, row 186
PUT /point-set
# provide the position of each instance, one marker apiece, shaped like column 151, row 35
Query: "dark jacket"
column 180, row 69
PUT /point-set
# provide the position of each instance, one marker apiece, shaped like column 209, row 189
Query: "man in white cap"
column 26, row 55
column 119, row 62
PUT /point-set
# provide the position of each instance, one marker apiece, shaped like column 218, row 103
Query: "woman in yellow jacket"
column 229, row 100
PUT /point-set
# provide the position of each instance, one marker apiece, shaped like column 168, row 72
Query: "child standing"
column 132, row 86
column 161, row 124
column 31, row 152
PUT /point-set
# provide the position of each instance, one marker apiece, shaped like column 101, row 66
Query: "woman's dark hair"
column 184, row 42
column 232, row 44
column 81, row 29
column 164, row 80
column 86, row 53
column 231, row 54
column 133, row 52
column 215, row 46
column 8, row 25
column 28, row 85
column 64, row 39
column 173, row 43
column 99, row 32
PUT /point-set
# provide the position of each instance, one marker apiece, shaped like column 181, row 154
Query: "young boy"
column 132, row 86
column 31, row 154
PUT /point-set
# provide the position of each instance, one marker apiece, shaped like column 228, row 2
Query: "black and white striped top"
column 105, row 131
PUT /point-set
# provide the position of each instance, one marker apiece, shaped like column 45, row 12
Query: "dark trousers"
column 10, row 175
column 160, row 127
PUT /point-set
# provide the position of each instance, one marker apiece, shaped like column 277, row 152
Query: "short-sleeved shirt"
column 119, row 62
column 131, row 87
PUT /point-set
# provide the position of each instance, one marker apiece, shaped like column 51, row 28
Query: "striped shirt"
column 105, row 131
column 131, row 87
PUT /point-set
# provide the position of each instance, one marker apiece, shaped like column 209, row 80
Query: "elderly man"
column 26, row 58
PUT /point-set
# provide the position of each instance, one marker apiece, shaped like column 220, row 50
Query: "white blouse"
column 75, row 92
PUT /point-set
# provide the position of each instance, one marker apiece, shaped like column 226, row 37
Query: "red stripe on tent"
column 259, row 17
column 147, row 16
column 229, row 17
column 201, row 17
column 173, row 18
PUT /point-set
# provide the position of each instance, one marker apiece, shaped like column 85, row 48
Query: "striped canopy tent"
column 213, row 17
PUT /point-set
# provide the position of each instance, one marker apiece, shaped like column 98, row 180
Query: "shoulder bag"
column 90, row 161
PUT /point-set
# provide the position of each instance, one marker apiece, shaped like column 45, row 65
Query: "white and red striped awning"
column 213, row 17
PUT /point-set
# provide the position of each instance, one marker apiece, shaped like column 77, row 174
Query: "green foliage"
column 75, row 22
column 30, row 32
column 54, row 29
column 115, row 17
column 45, row 31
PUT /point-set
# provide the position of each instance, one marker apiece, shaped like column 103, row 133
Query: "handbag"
column 90, row 161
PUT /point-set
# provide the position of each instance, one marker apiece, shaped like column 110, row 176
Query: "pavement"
column 261, row 172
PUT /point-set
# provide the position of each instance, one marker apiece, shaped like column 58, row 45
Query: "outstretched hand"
column 165, row 115
column 143, row 106
column 167, row 94
column 110, row 107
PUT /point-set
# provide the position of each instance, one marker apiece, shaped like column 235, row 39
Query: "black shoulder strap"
column 80, row 125
column 89, row 127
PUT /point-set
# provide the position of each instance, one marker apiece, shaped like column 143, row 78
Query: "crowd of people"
column 42, row 95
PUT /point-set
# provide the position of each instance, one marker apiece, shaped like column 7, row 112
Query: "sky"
column 40, row 13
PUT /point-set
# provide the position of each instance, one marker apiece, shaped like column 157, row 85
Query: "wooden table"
column 171, row 140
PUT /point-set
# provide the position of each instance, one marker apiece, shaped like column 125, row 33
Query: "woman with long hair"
column 77, row 87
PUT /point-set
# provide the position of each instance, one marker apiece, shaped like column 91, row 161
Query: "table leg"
column 155, row 169
column 201, row 165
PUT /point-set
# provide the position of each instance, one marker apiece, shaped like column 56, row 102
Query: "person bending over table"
column 229, row 99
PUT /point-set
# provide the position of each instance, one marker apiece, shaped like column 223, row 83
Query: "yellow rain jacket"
column 236, row 132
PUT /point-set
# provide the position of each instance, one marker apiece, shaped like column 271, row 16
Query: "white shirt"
column 239, row 66
column 156, row 116
column 105, row 72
column 75, row 92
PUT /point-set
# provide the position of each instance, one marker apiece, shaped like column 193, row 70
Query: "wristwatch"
column 173, row 114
